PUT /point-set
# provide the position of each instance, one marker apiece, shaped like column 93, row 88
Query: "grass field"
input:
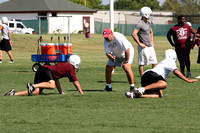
column 95, row 111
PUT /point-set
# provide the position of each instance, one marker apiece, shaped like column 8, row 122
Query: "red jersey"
column 63, row 69
column 181, row 35
column 197, row 39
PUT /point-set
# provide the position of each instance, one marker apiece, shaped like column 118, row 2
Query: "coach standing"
column 6, row 41
column 146, row 51
column 181, row 38
column 120, row 53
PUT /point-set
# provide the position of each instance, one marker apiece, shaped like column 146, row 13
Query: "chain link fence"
column 126, row 29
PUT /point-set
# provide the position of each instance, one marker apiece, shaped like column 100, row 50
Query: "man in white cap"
column 143, row 36
column 120, row 52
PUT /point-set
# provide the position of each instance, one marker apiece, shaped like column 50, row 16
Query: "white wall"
column 76, row 21
column 20, row 16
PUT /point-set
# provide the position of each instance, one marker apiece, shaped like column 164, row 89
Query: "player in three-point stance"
column 47, row 77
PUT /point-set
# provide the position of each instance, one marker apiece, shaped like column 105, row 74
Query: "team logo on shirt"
column 181, row 33
column 112, row 45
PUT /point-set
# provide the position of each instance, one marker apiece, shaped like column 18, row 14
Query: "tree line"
column 189, row 8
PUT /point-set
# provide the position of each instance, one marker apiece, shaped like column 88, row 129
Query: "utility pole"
column 112, row 15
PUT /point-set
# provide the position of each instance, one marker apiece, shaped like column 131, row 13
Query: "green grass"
column 94, row 112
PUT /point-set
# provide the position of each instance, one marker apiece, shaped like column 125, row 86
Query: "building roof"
column 16, row 6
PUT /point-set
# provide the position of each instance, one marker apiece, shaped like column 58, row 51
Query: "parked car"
column 19, row 27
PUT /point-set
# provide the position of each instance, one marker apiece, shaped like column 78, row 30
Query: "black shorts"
column 149, row 78
column 198, row 60
column 5, row 45
column 43, row 74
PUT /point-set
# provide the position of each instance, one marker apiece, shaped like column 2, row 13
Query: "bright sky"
column 3, row 1
column 105, row 2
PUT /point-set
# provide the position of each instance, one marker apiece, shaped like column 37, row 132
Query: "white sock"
column 132, row 85
column 109, row 85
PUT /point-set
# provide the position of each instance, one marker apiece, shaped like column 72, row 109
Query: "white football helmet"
column 4, row 20
column 170, row 54
column 145, row 12
column 188, row 23
column 75, row 61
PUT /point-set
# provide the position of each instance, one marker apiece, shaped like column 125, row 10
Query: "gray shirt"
column 4, row 32
column 144, row 32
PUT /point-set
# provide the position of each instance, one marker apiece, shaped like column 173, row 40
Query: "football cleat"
column 30, row 89
column 10, row 93
column 130, row 94
column 107, row 89
column 11, row 61
column 132, row 88
column 139, row 90
column 188, row 75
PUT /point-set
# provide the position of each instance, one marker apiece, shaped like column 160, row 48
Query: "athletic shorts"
column 43, row 74
column 119, row 61
column 198, row 60
column 5, row 45
column 150, row 77
column 146, row 55
column 183, row 54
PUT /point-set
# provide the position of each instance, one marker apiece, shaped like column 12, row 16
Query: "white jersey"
column 164, row 67
column 118, row 45
column 4, row 32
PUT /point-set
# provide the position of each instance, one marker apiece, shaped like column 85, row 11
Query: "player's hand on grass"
column 63, row 92
column 192, row 80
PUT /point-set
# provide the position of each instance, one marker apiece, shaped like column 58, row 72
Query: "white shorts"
column 119, row 61
column 146, row 56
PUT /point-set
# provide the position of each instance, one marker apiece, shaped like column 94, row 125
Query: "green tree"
column 136, row 4
column 186, row 7
column 93, row 4
column 189, row 8
column 171, row 5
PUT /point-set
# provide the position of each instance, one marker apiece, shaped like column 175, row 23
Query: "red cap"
column 107, row 32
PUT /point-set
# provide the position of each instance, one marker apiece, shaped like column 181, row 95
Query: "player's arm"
column 1, row 27
column 110, row 56
column 195, row 34
column 78, row 86
column 151, row 33
column 9, row 37
column 57, row 82
column 181, row 76
column 169, row 34
column 135, row 37
column 127, row 53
